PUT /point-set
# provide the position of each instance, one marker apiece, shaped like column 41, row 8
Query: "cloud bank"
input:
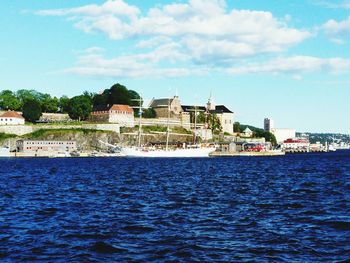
column 194, row 37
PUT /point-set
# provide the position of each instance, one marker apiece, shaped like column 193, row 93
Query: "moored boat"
column 4, row 152
column 167, row 152
column 170, row 153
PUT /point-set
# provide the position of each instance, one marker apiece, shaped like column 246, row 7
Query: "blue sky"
column 288, row 60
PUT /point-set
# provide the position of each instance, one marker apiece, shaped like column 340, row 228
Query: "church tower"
column 211, row 105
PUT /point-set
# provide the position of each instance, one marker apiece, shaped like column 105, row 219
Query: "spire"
column 210, row 104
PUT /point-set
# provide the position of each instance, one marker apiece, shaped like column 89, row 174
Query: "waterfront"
column 291, row 208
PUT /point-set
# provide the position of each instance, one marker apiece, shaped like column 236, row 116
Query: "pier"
column 247, row 154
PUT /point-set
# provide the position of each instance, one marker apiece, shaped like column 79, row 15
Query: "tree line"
column 33, row 103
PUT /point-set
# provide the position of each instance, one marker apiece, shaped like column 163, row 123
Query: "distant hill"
column 325, row 137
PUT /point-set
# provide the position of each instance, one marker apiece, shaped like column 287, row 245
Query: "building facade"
column 225, row 115
column 248, row 133
column 121, row 114
column 11, row 118
column 163, row 106
column 172, row 108
column 45, row 148
column 268, row 124
column 280, row 134
column 283, row 134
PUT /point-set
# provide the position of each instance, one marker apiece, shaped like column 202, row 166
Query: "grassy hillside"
column 4, row 136
column 57, row 133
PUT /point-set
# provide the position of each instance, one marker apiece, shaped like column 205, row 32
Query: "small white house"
column 247, row 133
column 11, row 118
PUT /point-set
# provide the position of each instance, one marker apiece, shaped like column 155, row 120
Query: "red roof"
column 11, row 114
column 118, row 107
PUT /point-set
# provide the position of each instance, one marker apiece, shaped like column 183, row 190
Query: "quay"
column 247, row 154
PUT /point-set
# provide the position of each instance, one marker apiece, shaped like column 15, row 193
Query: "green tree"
column 260, row 133
column 149, row 113
column 211, row 118
column 49, row 104
column 134, row 97
column 63, row 104
column 79, row 108
column 269, row 137
column 214, row 123
column 32, row 110
column 89, row 95
column 117, row 94
column 237, row 127
column 9, row 101
column 24, row 95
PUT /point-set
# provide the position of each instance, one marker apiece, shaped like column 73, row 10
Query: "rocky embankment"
column 89, row 140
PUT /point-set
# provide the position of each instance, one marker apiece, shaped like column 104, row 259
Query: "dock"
column 247, row 154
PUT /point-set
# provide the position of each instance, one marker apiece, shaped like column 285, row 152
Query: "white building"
column 283, row 134
column 280, row 134
column 247, row 133
column 293, row 144
column 224, row 115
column 121, row 114
column 11, row 118
column 45, row 148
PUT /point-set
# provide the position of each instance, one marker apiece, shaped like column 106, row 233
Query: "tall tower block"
column 268, row 124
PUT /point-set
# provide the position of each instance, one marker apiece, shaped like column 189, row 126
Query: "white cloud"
column 336, row 30
column 297, row 77
column 93, row 50
column 334, row 4
column 93, row 63
column 153, row 42
column 206, row 29
column 295, row 65
column 111, row 7
column 194, row 38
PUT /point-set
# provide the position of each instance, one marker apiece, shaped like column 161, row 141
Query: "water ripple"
column 293, row 208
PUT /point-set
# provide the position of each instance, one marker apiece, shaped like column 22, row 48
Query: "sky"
column 287, row 60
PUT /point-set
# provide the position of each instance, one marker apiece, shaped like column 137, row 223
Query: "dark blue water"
column 293, row 208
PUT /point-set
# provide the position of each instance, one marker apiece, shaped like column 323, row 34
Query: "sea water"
column 294, row 208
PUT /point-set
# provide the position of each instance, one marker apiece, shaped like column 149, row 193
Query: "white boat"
column 60, row 155
column 176, row 153
column 4, row 152
column 105, row 154
column 185, row 152
column 331, row 148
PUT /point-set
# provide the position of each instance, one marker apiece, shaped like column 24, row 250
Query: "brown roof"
column 11, row 114
column 118, row 107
